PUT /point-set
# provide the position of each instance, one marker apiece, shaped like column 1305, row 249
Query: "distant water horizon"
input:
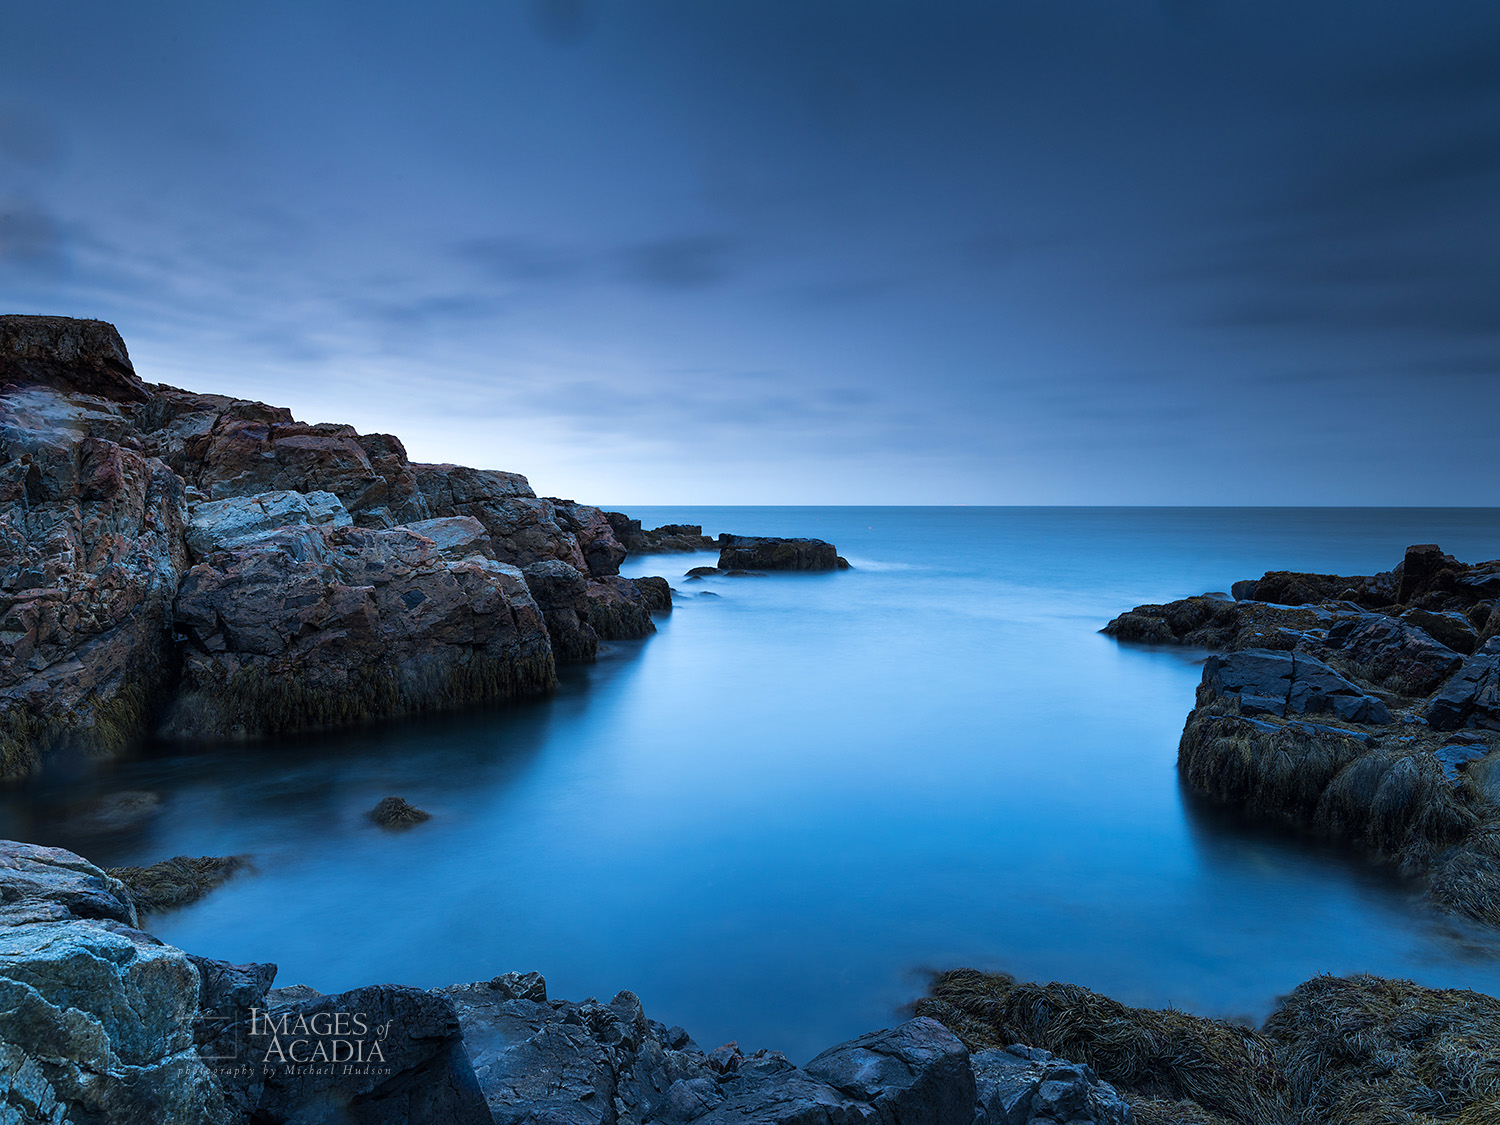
column 807, row 792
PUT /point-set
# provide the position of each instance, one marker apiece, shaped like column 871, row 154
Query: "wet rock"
column 1210, row 622
column 914, row 1074
column 740, row 552
column 1020, row 1085
column 396, row 812
column 178, row 881
column 702, row 572
column 1264, row 681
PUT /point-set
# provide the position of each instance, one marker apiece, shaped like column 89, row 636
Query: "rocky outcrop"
column 206, row 567
column 101, row 1022
column 742, row 552
column 1367, row 715
column 670, row 538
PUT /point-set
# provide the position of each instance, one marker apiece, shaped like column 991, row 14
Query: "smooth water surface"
column 773, row 818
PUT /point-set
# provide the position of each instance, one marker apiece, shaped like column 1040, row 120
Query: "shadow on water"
column 1238, row 848
column 281, row 794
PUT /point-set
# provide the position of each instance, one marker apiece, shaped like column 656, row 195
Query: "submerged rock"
column 397, row 812
column 177, row 881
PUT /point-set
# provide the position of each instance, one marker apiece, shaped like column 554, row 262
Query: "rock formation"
column 102, row 1022
column 210, row 568
column 1366, row 708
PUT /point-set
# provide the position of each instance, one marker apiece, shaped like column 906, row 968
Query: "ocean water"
column 776, row 817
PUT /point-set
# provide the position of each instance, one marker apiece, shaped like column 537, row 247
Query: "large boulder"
column 743, row 552
column 1021, row 1085
column 914, row 1074
column 1391, row 654
column 311, row 627
column 221, row 524
column 79, row 356
column 1472, row 696
column 1265, row 681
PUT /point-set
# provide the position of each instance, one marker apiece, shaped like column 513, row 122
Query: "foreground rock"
column 101, row 1022
column 1350, row 1049
column 203, row 567
column 1364, row 708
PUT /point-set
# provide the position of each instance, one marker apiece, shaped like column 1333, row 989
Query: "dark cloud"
column 692, row 262
column 522, row 260
column 32, row 241
column 562, row 23
column 30, row 136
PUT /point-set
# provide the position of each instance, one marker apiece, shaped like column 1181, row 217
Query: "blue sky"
column 763, row 251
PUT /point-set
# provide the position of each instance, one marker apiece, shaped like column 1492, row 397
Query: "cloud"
column 691, row 262
column 32, row 240
column 562, row 23
column 522, row 260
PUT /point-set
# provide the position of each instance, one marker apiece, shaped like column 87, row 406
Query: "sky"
column 796, row 251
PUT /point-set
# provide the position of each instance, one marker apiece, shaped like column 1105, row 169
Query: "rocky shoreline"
column 1364, row 708
column 195, row 567
column 100, row 1021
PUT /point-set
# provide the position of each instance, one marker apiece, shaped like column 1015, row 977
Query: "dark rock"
column 669, row 538
column 310, row 627
column 739, row 552
column 117, row 812
column 1391, row 654
column 396, row 812
column 80, row 356
column 915, row 1074
column 1455, row 754
column 1263, row 681
column 1243, row 590
column 382, row 1055
column 1471, row 697
column 177, row 881
column 702, row 572
column 561, row 591
column 656, row 593
column 1420, row 569
column 1020, row 1085
column 602, row 551
column 1451, row 629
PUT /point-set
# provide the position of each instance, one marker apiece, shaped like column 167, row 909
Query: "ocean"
column 775, row 818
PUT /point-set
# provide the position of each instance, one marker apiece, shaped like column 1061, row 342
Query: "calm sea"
column 774, row 818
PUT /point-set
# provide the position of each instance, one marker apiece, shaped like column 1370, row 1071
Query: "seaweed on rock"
column 1345, row 1049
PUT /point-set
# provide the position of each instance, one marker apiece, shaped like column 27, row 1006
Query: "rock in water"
column 740, row 552
column 396, row 812
column 177, row 881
